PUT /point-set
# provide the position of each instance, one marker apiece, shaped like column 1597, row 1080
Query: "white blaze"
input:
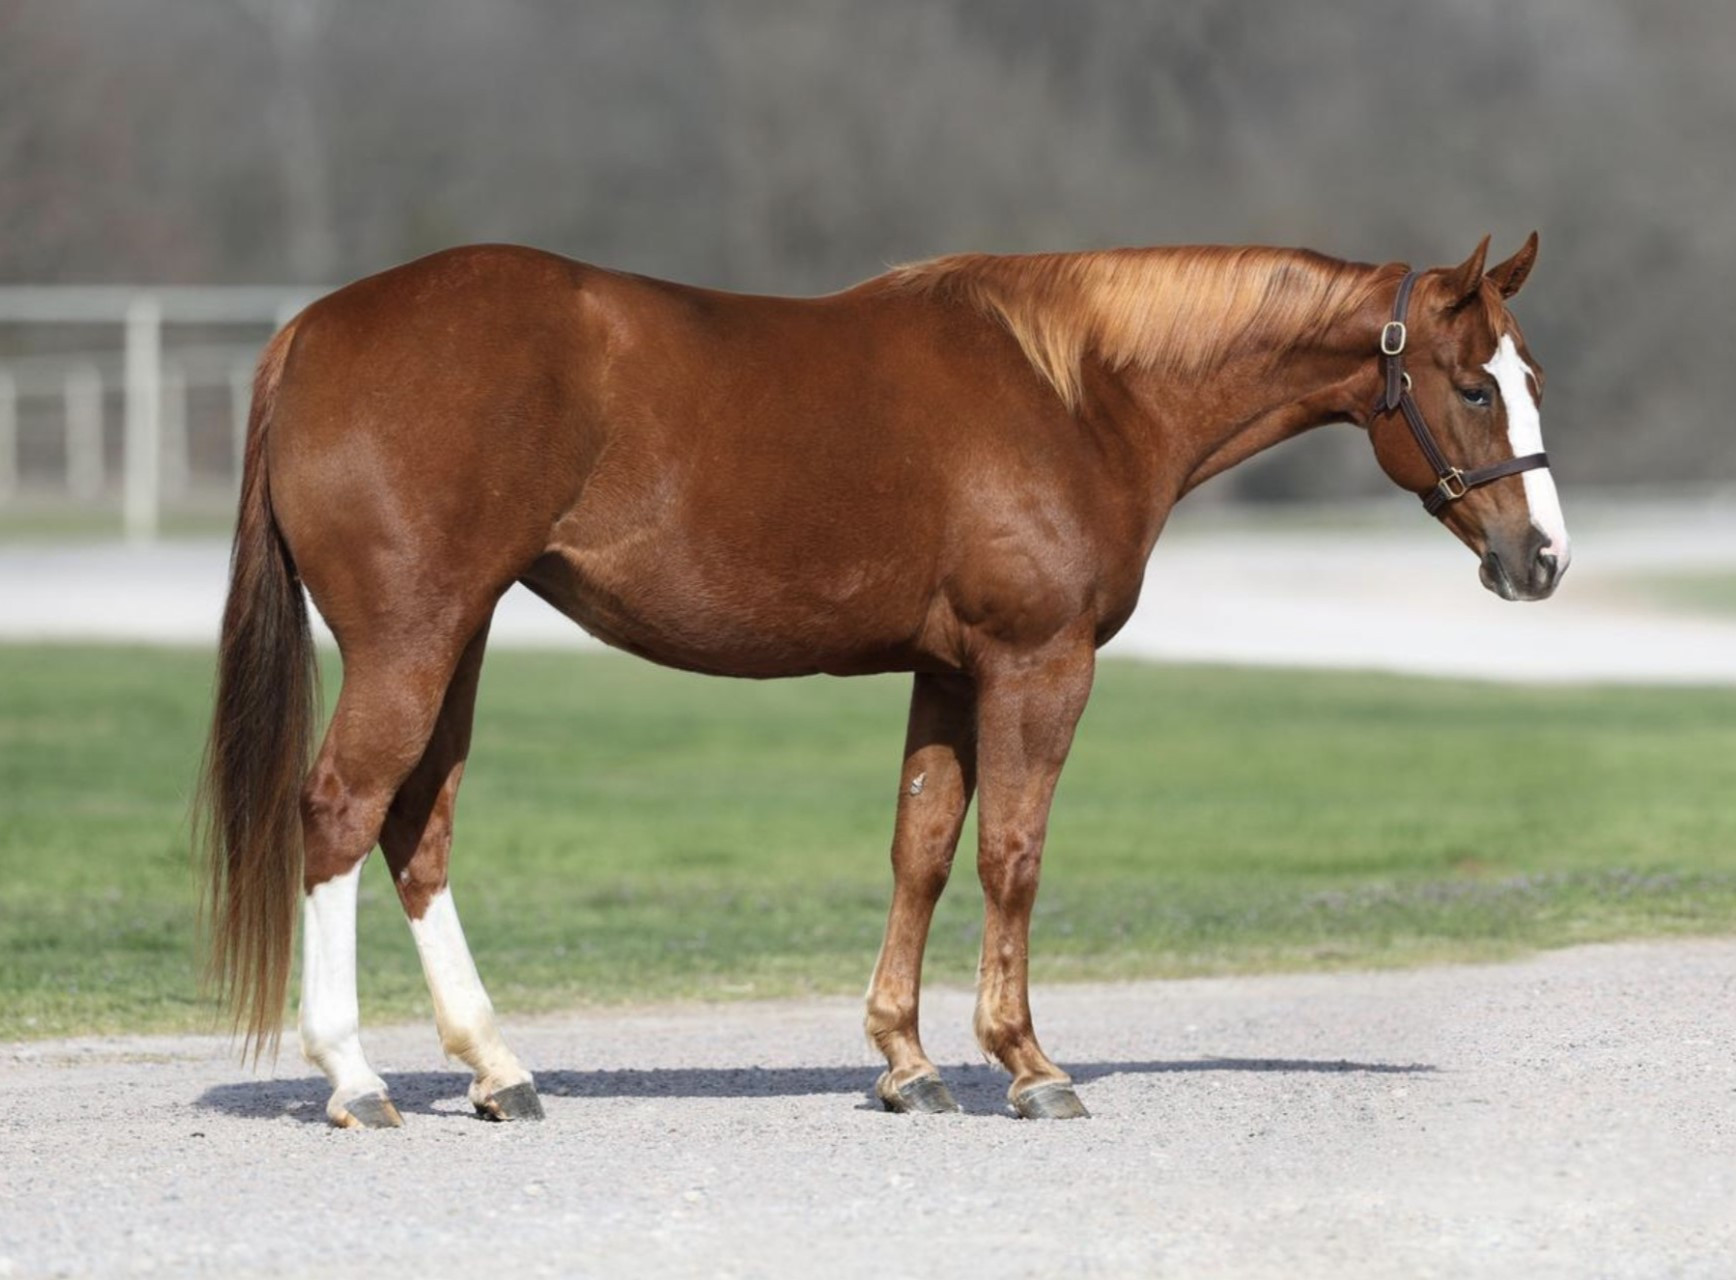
column 1515, row 379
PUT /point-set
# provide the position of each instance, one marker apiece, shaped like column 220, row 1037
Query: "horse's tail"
column 248, row 811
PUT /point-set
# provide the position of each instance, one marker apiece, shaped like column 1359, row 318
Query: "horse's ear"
column 1463, row 281
column 1510, row 275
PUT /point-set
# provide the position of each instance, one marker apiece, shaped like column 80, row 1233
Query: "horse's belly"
column 739, row 619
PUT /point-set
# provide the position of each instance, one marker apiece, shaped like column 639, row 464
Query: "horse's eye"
column 1476, row 397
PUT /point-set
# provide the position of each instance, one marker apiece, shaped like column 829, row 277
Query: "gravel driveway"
column 1570, row 1115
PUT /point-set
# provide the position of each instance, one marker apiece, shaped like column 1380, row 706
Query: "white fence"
column 71, row 344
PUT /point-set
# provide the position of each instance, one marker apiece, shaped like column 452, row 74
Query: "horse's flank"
column 1175, row 310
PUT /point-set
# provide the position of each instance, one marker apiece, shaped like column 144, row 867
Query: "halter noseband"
column 1451, row 484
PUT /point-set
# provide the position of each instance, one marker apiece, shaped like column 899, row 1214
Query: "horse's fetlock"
column 889, row 1016
column 995, row 1035
column 457, row 1044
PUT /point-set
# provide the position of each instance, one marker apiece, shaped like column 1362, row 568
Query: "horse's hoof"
column 1055, row 1101
column 515, row 1102
column 923, row 1096
column 368, row 1111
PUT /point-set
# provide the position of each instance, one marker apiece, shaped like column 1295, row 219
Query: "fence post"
column 8, row 436
column 176, row 466
column 84, row 460
column 240, row 403
column 142, row 498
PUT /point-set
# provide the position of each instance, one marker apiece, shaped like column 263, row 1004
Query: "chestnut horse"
column 957, row 469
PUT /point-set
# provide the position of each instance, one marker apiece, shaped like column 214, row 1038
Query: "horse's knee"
column 922, row 858
column 1010, row 863
column 924, row 878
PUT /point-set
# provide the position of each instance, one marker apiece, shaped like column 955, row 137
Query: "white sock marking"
column 331, row 1022
column 462, row 1009
column 1525, row 431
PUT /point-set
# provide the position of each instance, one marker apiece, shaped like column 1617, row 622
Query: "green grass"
column 207, row 516
column 628, row 833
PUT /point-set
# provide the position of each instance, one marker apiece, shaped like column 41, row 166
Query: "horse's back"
column 495, row 357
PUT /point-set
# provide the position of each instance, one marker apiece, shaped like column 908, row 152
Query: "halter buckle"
column 1452, row 486
column 1392, row 338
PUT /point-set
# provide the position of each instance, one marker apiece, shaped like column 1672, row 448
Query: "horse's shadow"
column 980, row 1089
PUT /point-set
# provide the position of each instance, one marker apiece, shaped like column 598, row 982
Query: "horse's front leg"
column 934, row 790
column 1027, row 708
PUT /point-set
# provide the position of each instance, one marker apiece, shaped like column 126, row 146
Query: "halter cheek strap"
column 1451, row 483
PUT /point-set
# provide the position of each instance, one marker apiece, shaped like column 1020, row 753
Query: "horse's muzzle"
column 1533, row 578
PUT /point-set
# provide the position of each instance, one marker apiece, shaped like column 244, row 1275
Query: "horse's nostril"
column 1545, row 570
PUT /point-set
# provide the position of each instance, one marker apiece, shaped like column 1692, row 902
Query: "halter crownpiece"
column 1451, row 483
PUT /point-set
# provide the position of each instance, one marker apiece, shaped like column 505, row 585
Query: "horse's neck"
column 1199, row 429
column 1323, row 392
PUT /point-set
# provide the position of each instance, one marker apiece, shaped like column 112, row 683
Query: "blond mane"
column 1181, row 310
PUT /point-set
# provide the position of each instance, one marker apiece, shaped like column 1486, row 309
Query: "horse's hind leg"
column 934, row 791
column 417, row 842
column 391, row 699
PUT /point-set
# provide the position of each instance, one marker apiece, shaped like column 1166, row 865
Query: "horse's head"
column 1476, row 393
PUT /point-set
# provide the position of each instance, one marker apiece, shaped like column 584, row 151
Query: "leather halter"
column 1451, row 483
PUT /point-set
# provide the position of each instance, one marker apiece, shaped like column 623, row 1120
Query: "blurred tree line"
column 799, row 145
